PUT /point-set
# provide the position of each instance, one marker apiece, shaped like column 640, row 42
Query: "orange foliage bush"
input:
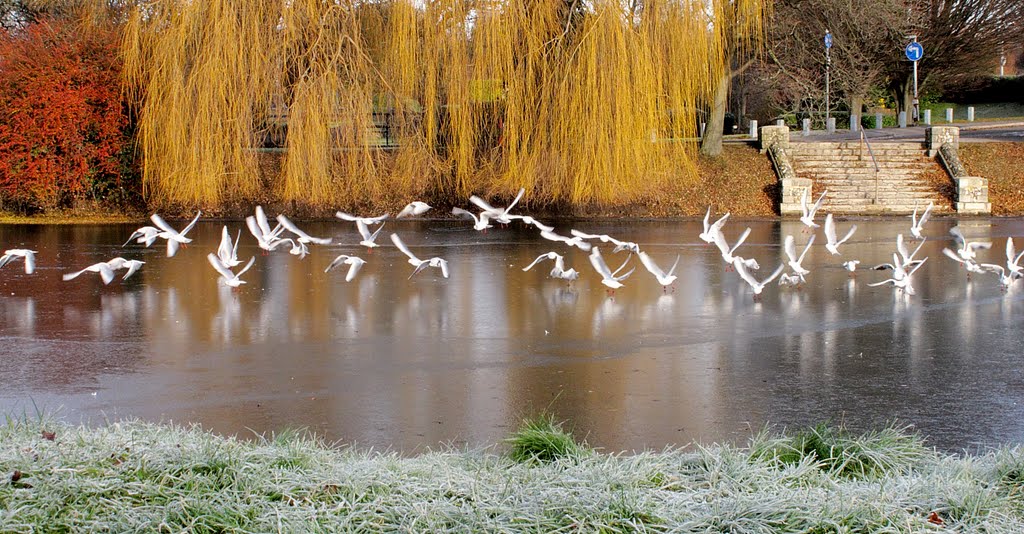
column 62, row 124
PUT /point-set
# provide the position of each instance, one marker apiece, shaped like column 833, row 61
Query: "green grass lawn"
column 135, row 476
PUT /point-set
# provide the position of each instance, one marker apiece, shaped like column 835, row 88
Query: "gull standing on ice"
column 830, row 234
column 230, row 279
column 28, row 255
column 418, row 263
column 354, row 264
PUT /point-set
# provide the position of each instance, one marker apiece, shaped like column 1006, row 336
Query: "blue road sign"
column 828, row 39
column 914, row 51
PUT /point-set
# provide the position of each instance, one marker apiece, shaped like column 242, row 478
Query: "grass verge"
column 134, row 476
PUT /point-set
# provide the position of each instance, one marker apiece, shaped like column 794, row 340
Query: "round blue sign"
column 914, row 51
column 828, row 39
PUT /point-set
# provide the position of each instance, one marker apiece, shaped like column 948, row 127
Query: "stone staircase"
column 847, row 170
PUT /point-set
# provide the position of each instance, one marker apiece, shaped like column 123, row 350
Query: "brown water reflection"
column 405, row 364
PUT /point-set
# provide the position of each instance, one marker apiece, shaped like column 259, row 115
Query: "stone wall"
column 936, row 136
column 971, row 191
column 793, row 187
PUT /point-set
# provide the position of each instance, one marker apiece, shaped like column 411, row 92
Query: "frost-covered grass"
column 135, row 476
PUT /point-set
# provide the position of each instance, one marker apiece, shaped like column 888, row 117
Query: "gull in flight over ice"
column 559, row 270
column 228, row 251
column 354, row 264
column 174, row 238
column 605, row 238
column 808, row 213
column 368, row 220
column 970, row 265
column 728, row 253
column 901, row 278
column 413, row 209
column 28, row 255
column 480, row 222
column 916, row 225
column 497, row 214
column 708, row 235
column 795, row 262
column 664, row 278
column 145, row 236
column 530, row 220
column 230, row 278
column 757, row 286
column 830, row 234
column 851, row 266
column 106, row 269
column 966, row 249
column 905, row 254
column 1006, row 278
column 418, row 263
column 267, row 239
column 301, row 237
column 369, row 240
column 608, row 278
column 574, row 241
column 1013, row 260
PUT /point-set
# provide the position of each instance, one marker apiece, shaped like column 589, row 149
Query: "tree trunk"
column 711, row 144
column 857, row 107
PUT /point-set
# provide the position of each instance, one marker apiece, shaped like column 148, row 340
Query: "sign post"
column 915, row 52
column 828, row 63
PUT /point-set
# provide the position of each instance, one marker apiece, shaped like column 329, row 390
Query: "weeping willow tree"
column 577, row 101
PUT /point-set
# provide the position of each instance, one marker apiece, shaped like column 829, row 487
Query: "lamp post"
column 828, row 64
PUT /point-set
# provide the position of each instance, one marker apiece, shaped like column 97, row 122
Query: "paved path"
column 1010, row 130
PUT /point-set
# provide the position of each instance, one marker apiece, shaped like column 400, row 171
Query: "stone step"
column 833, row 145
column 818, row 160
column 855, row 152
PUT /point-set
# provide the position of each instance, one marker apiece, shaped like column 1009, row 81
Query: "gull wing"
column 584, row 235
column 901, row 247
column 30, row 262
column 464, row 213
column 774, row 275
column 345, row 216
column 106, row 273
column 254, row 229
column 953, row 255
column 364, row 230
column 224, row 250
column 830, row 230
column 743, row 237
column 916, row 267
column 994, row 268
column 721, row 221
column 817, row 205
column 377, row 219
column 542, row 257
column 172, row 247
column 220, row 267
column 353, row 268
column 482, row 204
column 261, row 220
column 287, row 224
column 407, row 210
column 707, row 220
column 516, row 200
column 373, row 237
column 401, row 246
column 133, row 267
column 961, row 240
column 719, row 240
column 853, row 229
column 790, row 247
column 1011, row 252
column 599, row 265
column 337, row 261
column 741, row 270
column 162, row 224
column 247, row 266
column 191, row 224
column 924, row 216
column 551, row 236
column 806, row 248
column 444, row 268
column 674, row 265
column 653, row 267
column 623, row 266
column 803, row 201
column 981, row 244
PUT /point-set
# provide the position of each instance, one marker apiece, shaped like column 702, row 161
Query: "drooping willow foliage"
column 577, row 101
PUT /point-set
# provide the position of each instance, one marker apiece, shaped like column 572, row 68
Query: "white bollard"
column 703, row 126
column 753, row 129
column 928, row 117
column 949, row 114
column 970, row 114
column 830, row 125
column 807, row 127
column 854, row 122
column 878, row 121
column 903, row 119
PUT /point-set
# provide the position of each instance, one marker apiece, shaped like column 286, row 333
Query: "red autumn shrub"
column 62, row 123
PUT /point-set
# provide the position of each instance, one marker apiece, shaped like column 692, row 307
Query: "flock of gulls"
column 286, row 235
